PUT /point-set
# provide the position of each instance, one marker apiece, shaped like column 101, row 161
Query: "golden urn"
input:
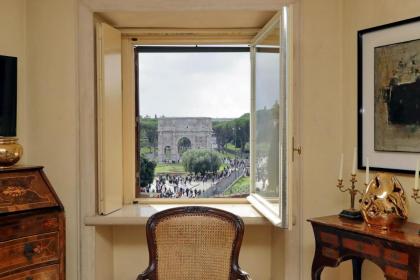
column 10, row 151
column 384, row 204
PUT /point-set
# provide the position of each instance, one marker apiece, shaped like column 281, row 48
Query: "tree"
column 147, row 171
column 201, row 161
column 148, row 131
column 223, row 133
column 235, row 131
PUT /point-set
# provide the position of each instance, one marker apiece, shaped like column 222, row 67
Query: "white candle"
column 367, row 171
column 340, row 174
column 353, row 171
column 416, row 177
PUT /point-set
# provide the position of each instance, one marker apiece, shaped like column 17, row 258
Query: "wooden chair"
column 194, row 243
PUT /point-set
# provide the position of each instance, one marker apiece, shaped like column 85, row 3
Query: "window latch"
column 297, row 149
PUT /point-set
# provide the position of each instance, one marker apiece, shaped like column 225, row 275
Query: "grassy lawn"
column 240, row 186
column 146, row 150
column 229, row 147
column 222, row 166
column 163, row 168
column 227, row 155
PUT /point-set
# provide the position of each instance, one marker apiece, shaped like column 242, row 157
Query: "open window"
column 244, row 152
column 271, row 126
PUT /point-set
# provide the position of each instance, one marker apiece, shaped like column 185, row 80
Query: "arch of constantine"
column 176, row 135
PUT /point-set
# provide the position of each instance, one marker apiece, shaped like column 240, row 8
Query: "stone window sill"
column 138, row 214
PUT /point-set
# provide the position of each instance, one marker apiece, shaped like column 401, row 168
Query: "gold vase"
column 384, row 204
column 10, row 151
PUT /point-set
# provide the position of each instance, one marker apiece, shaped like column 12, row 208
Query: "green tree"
column 148, row 132
column 147, row 171
column 234, row 131
column 201, row 161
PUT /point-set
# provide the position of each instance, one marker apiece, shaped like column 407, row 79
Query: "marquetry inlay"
column 396, row 257
column 329, row 238
column 330, row 253
column 396, row 273
column 361, row 247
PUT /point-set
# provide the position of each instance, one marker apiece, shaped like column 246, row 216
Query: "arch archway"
column 184, row 144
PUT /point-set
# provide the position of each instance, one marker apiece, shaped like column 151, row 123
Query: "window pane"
column 193, row 124
column 267, row 117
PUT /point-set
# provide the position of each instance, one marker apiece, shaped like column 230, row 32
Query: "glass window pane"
column 193, row 123
column 267, row 117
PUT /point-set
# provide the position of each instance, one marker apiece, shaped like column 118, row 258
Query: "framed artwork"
column 389, row 96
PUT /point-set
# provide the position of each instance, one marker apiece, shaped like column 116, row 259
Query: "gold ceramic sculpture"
column 10, row 151
column 384, row 204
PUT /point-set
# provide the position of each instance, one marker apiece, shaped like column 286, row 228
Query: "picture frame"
column 388, row 74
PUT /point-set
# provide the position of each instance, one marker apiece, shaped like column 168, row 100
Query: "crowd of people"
column 191, row 185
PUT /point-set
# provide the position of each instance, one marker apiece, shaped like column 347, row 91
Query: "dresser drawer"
column 44, row 273
column 24, row 225
column 28, row 251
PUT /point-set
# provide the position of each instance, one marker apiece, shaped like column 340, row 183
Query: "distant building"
column 176, row 135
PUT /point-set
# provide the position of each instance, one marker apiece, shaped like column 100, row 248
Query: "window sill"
column 138, row 214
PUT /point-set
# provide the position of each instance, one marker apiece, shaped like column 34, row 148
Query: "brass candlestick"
column 351, row 213
column 416, row 198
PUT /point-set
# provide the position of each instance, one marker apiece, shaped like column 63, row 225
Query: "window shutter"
column 109, row 122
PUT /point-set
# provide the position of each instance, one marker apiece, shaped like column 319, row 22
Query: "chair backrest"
column 194, row 243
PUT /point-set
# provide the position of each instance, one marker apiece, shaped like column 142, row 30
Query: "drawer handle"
column 28, row 251
column 29, row 278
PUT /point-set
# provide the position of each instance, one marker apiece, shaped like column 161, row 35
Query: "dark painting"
column 8, row 95
column 397, row 97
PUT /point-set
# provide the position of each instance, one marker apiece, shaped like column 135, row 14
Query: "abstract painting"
column 397, row 97
column 388, row 86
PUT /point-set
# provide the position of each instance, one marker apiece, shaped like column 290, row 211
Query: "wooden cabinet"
column 32, row 226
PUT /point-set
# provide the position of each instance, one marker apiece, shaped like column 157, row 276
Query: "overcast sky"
column 215, row 85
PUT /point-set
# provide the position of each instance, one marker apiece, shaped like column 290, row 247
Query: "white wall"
column 321, row 117
column 51, row 125
column 42, row 34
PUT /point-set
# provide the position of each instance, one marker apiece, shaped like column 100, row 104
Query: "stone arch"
column 184, row 144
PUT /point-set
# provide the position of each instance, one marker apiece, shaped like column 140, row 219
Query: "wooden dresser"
column 32, row 228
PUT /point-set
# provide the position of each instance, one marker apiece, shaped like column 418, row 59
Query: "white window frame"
column 130, row 40
column 279, row 217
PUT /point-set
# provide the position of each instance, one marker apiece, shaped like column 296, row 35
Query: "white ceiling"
column 188, row 19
